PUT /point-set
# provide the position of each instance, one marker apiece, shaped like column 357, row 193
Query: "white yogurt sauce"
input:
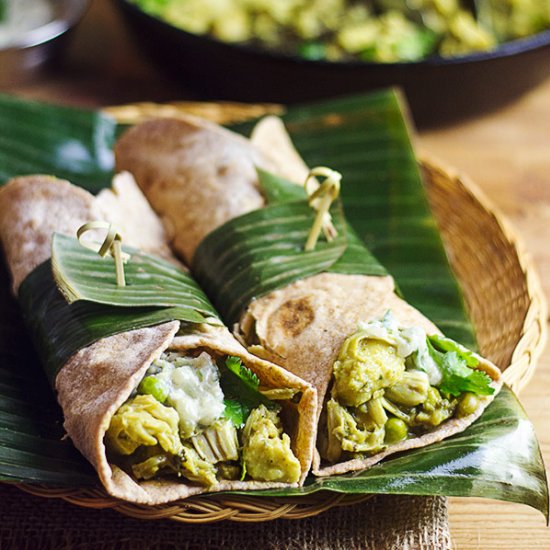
column 193, row 388
column 407, row 341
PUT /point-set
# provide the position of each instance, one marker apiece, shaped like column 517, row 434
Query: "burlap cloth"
column 390, row 522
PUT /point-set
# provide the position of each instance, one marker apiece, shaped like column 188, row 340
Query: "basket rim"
column 534, row 333
column 240, row 508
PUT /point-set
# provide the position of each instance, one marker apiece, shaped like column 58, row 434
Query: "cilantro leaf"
column 454, row 363
column 235, row 412
column 235, row 365
column 458, row 377
column 443, row 344
column 240, row 388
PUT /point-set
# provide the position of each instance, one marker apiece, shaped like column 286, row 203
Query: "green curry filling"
column 190, row 417
column 393, row 383
column 377, row 30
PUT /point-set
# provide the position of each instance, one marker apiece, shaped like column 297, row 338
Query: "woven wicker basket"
column 500, row 286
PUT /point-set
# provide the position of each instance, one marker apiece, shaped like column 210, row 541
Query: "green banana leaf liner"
column 497, row 457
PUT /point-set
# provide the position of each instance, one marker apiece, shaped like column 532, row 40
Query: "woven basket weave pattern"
column 502, row 294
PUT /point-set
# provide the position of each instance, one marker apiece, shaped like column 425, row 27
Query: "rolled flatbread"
column 304, row 325
column 97, row 380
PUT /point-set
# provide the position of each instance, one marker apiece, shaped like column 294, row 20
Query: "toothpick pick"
column 320, row 199
column 111, row 245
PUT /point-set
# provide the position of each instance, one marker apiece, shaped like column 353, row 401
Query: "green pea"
column 152, row 386
column 396, row 430
column 467, row 405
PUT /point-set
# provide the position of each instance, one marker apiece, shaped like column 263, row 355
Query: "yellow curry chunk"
column 186, row 463
column 435, row 410
column 364, row 366
column 267, row 455
column 197, row 469
column 149, row 467
column 411, row 390
column 218, row 442
column 144, row 421
column 345, row 433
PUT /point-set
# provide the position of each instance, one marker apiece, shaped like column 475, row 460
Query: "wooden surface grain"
column 507, row 153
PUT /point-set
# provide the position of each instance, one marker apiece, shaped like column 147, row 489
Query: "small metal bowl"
column 33, row 50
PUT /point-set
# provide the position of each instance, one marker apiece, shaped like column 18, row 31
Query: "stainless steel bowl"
column 33, row 50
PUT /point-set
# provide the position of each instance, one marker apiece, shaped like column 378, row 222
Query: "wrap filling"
column 205, row 419
column 392, row 383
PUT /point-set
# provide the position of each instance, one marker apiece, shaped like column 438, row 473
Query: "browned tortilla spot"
column 296, row 315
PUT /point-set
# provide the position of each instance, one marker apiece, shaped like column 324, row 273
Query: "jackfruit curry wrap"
column 387, row 380
column 169, row 410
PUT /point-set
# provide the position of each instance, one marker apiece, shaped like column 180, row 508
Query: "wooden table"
column 507, row 153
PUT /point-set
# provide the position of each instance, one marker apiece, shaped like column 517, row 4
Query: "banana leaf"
column 90, row 306
column 32, row 448
column 82, row 274
column 356, row 259
column 270, row 243
column 38, row 138
column 271, row 240
column 470, row 463
column 366, row 139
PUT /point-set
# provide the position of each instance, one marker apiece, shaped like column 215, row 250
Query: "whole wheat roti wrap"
column 98, row 379
column 191, row 169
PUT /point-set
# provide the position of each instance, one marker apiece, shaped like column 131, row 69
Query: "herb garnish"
column 240, row 387
column 455, row 362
